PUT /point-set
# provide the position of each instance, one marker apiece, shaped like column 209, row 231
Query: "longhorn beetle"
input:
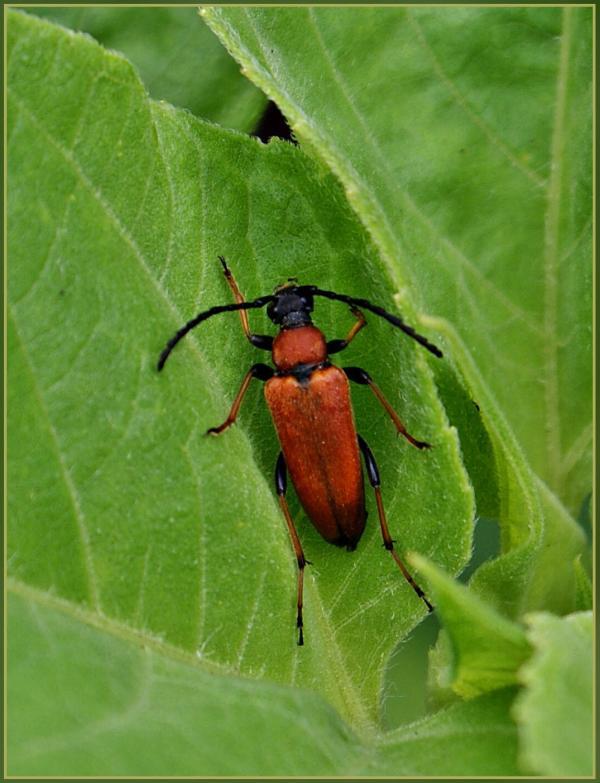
column 310, row 404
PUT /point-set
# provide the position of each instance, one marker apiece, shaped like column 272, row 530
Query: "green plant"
column 151, row 623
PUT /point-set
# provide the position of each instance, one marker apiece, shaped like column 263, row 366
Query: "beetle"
column 309, row 401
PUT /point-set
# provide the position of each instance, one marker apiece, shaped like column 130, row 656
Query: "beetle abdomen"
column 316, row 430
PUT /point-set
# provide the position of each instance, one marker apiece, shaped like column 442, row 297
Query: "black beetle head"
column 291, row 306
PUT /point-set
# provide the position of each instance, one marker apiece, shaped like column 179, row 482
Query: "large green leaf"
column 463, row 140
column 118, row 209
column 90, row 696
column 555, row 712
column 178, row 58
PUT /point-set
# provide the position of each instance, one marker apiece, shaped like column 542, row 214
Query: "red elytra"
column 316, row 430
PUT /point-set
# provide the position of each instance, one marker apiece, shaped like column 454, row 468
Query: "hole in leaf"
column 273, row 124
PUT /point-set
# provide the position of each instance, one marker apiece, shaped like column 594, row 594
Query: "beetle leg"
column 281, row 485
column 358, row 375
column 335, row 346
column 373, row 474
column 263, row 341
column 261, row 371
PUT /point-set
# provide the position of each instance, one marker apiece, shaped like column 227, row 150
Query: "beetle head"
column 291, row 306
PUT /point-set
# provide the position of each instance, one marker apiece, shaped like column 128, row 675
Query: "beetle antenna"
column 366, row 305
column 261, row 302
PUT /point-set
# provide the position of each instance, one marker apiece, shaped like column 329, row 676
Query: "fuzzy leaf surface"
column 555, row 712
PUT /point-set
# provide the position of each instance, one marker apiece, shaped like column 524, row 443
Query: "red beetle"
column 309, row 400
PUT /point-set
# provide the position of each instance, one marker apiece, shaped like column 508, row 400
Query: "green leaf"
column 179, row 59
column 117, row 502
column 555, row 712
column 463, row 141
column 486, row 649
column 90, row 696
column 108, row 701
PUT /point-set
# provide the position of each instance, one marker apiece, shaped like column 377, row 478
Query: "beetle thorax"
column 303, row 345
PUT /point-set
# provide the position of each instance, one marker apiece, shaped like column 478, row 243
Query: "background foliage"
column 445, row 171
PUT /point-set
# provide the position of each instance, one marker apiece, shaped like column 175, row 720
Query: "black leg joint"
column 358, row 375
column 371, row 465
column 281, row 475
column 262, row 372
column 263, row 341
